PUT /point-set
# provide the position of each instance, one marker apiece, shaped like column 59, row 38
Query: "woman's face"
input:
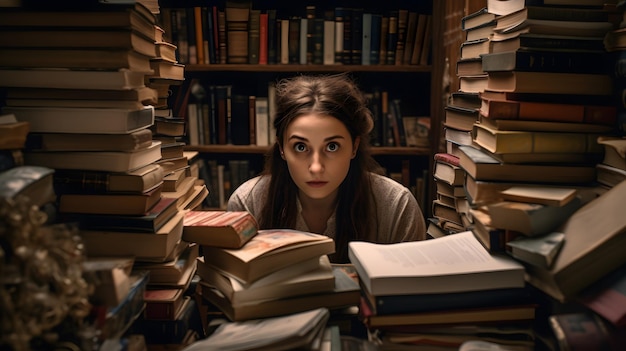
column 318, row 150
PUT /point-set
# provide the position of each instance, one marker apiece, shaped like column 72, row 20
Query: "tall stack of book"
column 442, row 292
column 247, row 273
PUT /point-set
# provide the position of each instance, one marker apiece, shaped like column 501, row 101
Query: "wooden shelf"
column 305, row 68
column 253, row 149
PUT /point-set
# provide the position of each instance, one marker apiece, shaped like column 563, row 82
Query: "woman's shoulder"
column 385, row 187
column 258, row 182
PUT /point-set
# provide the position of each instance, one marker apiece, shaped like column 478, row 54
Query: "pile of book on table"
column 247, row 273
column 442, row 292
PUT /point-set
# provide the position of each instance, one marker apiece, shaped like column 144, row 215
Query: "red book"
column 607, row 297
column 447, row 158
column 263, row 39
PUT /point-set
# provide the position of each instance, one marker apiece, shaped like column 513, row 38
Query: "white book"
column 72, row 79
column 262, row 121
column 338, row 39
column 329, row 43
column 192, row 124
column 453, row 263
column 83, row 120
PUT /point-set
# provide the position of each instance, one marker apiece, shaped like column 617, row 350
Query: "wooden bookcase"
column 418, row 86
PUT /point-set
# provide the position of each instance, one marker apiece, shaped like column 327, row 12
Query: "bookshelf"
column 416, row 85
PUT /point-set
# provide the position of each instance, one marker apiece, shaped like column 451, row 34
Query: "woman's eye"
column 299, row 147
column 332, row 147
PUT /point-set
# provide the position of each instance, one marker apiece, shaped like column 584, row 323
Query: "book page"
column 273, row 239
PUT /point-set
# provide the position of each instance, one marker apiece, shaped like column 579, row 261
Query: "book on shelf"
column 589, row 62
column 538, row 250
column 545, row 195
column 154, row 246
column 292, row 331
column 108, row 161
column 346, row 293
column 495, row 314
column 128, row 204
column 79, row 180
column 310, row 277
column 227, row 229
column 32, row 182
column 524, row 141
column 389, row 269
column 606, row 297
column 75, row 59
column 163, row 303
column 481, row 165
column 583, row 258
column 495, row 108
column 550, row 82
column 139, row 139
column 237, row 15
column 110, row 277
column 266, row 252
column 72, row 79
column 175, row 271
column 83, row 120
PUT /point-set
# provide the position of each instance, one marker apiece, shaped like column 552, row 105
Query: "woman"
column 320, row 177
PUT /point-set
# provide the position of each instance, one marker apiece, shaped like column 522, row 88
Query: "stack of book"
column 247, row 273
column 442, row 292
column 612, row 170
column 450, row 207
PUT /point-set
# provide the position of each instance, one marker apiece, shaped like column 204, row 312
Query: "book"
column 447, row 169
column 539, row 250
column 584, row 331
column 149, row 222
column 523, row 141
column 227, row 229
column 532, row 41
column 609, row 175
column 237, row 15
column 393, row 270
column 73, row 120
column 493, row 239
column 497, row 314
column 493, row 108
column 75, row 59
column 460, row 118
column 13, row 135
column 480, row 165
column 268, row 251
column 550, row 82
column 108, row 161
column 545, row 195
column 128, row 204
column 72, row 79
column 166, row 69
column 83, row 181
column 33, row 182
column 477, row 18
column 179, row 332
column 287, row 282
column 110, row 277
column 589, row 62
column 584, row 259
column 614, row 151
column 83, row 97
column 175, row 271
column 155, row 247
column 291, row 331
column 346, row 293
column 606, row 296
column 162, row 303
column 136, row 140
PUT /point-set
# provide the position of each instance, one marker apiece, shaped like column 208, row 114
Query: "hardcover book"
column 228, row 229
column 138, row 180
column 392, row 269
column 539, row 250
column 72, row 79
column 268, row 251
column 124, row 204
column 136, row 140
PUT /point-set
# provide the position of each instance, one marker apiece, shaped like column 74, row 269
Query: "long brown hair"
column 332, row 95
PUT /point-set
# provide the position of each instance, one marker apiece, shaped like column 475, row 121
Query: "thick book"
column 32, row 182
column 84, row 181
column 614, row 151
column 550, row 82
column 547, row 61
column 108, row 161
column 346, row 293
column 531, row 41
column 494, row 108
column 480, row 165
column 72, row 79
column 447, row 169
column 545, row 195
column 539, row 250
column 477, row 19
column 310, row 277
column 163, row 303
column 125, row 204
column 136, row 140
column 83, row 120
column 585, row 258
column 155, row 247
column 268, row 251
column 227, row 229
column 394, row 269
column 524, row 141
column 110, row 277
column 174, row 272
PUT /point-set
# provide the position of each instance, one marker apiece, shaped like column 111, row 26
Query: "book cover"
column 547, row 61
column 228, row 229
column 550, row 82
column 394, row 270
column 126, row 204
column 136, row 140
column 85, row 181
column 539, row 250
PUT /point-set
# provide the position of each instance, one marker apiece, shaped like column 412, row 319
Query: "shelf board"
column 253, row 149
column 304, row 68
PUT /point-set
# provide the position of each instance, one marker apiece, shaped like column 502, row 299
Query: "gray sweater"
column 397, row 215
